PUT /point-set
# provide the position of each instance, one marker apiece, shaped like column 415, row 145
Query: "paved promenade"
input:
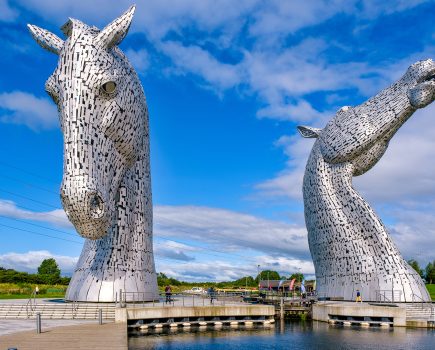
column 85, row 336
column 14, row 326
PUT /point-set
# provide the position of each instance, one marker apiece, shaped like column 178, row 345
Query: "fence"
column 388, row 296
column 140, row 299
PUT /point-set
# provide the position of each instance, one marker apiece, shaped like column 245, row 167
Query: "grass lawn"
column 23, row 296
column 24, row 290
column 431, row 289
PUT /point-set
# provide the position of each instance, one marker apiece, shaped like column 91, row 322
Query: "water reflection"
column 294, row 335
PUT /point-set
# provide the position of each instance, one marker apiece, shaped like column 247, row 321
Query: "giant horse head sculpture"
column 103, row 116
column 106, row 187
column 360, row 135
column 350, row 246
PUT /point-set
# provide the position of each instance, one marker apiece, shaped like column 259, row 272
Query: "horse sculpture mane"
column 350, row 246
column 106, row 187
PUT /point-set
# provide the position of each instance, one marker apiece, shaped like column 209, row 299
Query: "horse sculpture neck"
column 360, row 254
column 350, row 246
column 122, row 260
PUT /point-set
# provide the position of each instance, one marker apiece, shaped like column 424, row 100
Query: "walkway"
column 106, row 337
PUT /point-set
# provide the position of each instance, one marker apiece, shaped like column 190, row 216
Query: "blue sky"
column 226, row 83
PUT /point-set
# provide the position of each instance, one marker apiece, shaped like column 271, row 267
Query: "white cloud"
column 300, row 111
column 211, row 270
column 210, row 237
column 288, row 183
column 220, row 228
column 55, row 217
column 231, row 231
column 173, row 250
column 7, row 14
column 373, row 8
column 414, row 232
column 31, row 260
column 23, row 108
column 277, row 17
column 193, row 59
column 267, row 66
column 139, row 59
column 215, row 270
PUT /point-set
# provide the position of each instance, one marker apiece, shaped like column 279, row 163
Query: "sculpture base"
column 398, row 288
column 86, row 287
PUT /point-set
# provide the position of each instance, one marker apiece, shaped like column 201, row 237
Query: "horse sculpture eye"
column 109, row 87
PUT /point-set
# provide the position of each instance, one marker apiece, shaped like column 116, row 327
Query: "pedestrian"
column 358, row 296
column 168, row 293
column 211, row 292
column 36, row 290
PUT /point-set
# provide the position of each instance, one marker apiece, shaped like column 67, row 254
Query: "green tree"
column 49, row 271
column 244, row 281
column 267, row 275
column 163, row 280
column 414, row 264
column 430, row 272
column 298, row 276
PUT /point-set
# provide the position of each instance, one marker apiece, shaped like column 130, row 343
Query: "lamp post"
column 258, row 276
column 268, row 281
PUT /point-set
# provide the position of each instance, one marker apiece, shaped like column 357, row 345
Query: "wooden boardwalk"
column 107, row 336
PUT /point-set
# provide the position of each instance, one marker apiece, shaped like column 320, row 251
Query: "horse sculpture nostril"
column 96, row 206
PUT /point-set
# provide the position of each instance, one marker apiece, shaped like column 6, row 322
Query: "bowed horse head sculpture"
column 350, row 246
column 102, row 111
column 106, row 187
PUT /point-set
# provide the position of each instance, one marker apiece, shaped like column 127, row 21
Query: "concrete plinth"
column 365, row 312
column 145, row 313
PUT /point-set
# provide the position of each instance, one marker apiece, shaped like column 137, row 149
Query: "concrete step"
column 419, row 311
column 57, row 311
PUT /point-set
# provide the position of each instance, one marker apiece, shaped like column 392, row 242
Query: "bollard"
column 38, row 323
column 100, row 316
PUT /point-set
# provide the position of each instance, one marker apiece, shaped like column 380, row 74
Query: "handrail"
column 74, row 306
column 31, row 304
column 425, row 302
column 148, row 299
column 396, row 295
column 378, row 293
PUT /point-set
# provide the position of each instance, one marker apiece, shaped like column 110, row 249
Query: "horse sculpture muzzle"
column 86, row 207
column 424, row 93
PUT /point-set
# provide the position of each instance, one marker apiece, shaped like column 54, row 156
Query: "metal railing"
column 429, row 304
column 388, row 296
column 74, row 306
column 31, row 304
column 144, row 299
column 322, row 297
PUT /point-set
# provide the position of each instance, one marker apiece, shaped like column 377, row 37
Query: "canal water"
column 289, row 335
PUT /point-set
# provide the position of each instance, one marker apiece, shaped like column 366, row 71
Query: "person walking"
column 168, row 293
column 211, row 292
column 36, row 290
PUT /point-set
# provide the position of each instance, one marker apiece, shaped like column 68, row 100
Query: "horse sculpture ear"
column 46, row 39
column 116, row 31
column 309, row 132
